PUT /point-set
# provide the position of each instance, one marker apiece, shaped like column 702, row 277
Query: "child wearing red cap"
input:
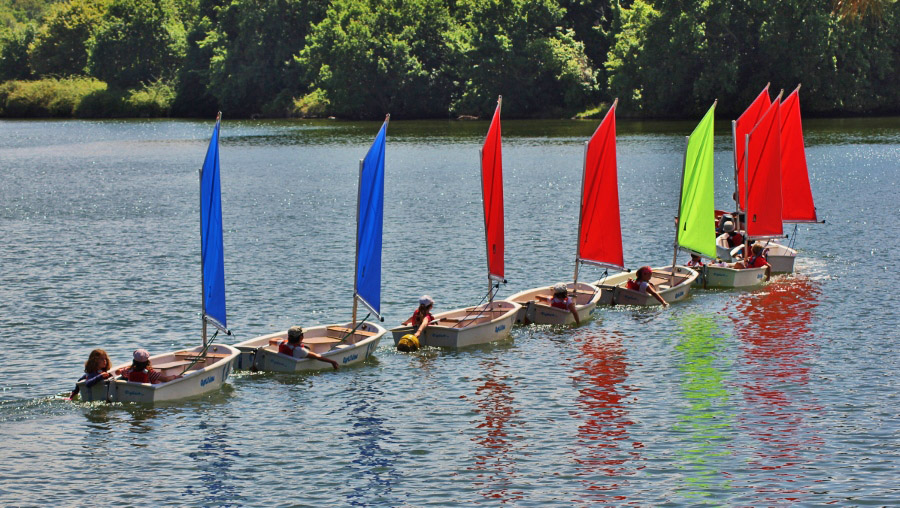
column 641, row 283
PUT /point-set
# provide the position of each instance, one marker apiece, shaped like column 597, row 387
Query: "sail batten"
column 696, row 209
column 370, row 222
column 742, row 126
column 492, row 196
column 599, row 229
column 211, row 240
column 763, row 192
column 798, row 205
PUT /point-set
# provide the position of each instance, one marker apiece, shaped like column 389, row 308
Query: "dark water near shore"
column 784, row 395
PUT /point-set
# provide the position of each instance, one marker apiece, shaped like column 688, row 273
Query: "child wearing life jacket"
column 734, row 238
column 422, row 316
column 641, row 283
column 96, row 369
column 696, row 261
column 141, row 371
column 756, row 259
column 294, row 347
column 561, row 300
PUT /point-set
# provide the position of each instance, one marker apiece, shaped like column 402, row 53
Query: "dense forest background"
column 443, row 58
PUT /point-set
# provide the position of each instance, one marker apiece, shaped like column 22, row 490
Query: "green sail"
column 696, row 224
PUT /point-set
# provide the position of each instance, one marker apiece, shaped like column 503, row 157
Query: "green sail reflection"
column 707, row 414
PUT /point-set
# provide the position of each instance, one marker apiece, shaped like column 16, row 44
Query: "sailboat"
column 797, row 199
column 599, row 239
column 694, row 232
column 600, row 235
column 205, row 367
column 355, row 341
column 779, row 256
column 491, row 321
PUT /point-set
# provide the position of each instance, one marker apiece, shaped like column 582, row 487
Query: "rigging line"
column 351, row 332
column 202, row 353
column 490, row 293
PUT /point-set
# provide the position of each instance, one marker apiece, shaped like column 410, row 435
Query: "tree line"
column 443, row 58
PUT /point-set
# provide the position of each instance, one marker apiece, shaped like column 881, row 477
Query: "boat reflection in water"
column 707, row 417
column 773, row 327
column 372, row 465
column 606, row 454
column 495, row 468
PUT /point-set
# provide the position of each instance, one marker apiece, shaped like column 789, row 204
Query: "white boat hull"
column 489, row 322
column 324, row 340
column 203, row 377
column 614, row 289
column 535, row 308
column 780, row 257
column 726, row 277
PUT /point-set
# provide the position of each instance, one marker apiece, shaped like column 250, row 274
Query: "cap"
column 559, row 287
column 141, row 355
column 644, row 270
column 426, row 300
column 295, row 332
column 728, row 226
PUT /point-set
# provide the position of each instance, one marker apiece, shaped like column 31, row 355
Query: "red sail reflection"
column 605, row 448
column 496, row 468
column 773, row 328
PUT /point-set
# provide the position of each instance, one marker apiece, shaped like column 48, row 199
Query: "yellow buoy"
column 407, row 343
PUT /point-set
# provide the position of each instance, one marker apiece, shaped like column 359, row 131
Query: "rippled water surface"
column 787, row 394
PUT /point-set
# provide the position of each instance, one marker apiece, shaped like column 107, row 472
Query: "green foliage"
column 314, row 104
column 47, row 97
column 14, row 52
column 371, row 58
column 139, row 41
column 516, row 48
column 15, row 13
column 61, row 45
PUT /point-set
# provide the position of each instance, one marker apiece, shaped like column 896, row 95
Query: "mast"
column 580, row 216
column 687, row 140
column 356, row 251
column 735, row 196
column 202, row 232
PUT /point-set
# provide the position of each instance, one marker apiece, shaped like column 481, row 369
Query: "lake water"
column 783, row 395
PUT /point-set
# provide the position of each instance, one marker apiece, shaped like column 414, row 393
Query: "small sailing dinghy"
column 694, row 232
column 355, row 341
column 599, row 241
column 781, row 257
column 493, row 320
column 206, row 367
column 600, row 229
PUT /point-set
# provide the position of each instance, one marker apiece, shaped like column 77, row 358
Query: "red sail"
column 764, row 176
column 492, row 195
column 798, row 203
column 599, row 232
column 742, row 127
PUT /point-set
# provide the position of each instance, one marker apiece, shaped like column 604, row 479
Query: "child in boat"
column 642, row 284
column 141, row 371
column 561, row 300
column 695, row 262
column 96, row 369
column 734, row 238
column 757, row 259
column 422, row 316
column 295, row 348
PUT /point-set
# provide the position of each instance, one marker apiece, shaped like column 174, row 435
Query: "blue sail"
column 213, row 258
column 370, row 213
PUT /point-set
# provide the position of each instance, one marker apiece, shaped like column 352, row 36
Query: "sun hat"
column 426, row 300
column 141, row 355
column 559, row 287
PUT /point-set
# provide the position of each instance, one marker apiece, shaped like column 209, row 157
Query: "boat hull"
column 204, row 377
column 615, row 292
column 489, row 322
column 325, row 340
column 726, row 277
column 536, row 310
column 780, row 257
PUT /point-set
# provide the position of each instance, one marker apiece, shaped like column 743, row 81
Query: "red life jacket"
column 756, row 261
column 693, row 263
column 286, row 348
column 560, row 304
column 417, row 318
column 140, row 376
column 735, row 239
column 633, row 285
